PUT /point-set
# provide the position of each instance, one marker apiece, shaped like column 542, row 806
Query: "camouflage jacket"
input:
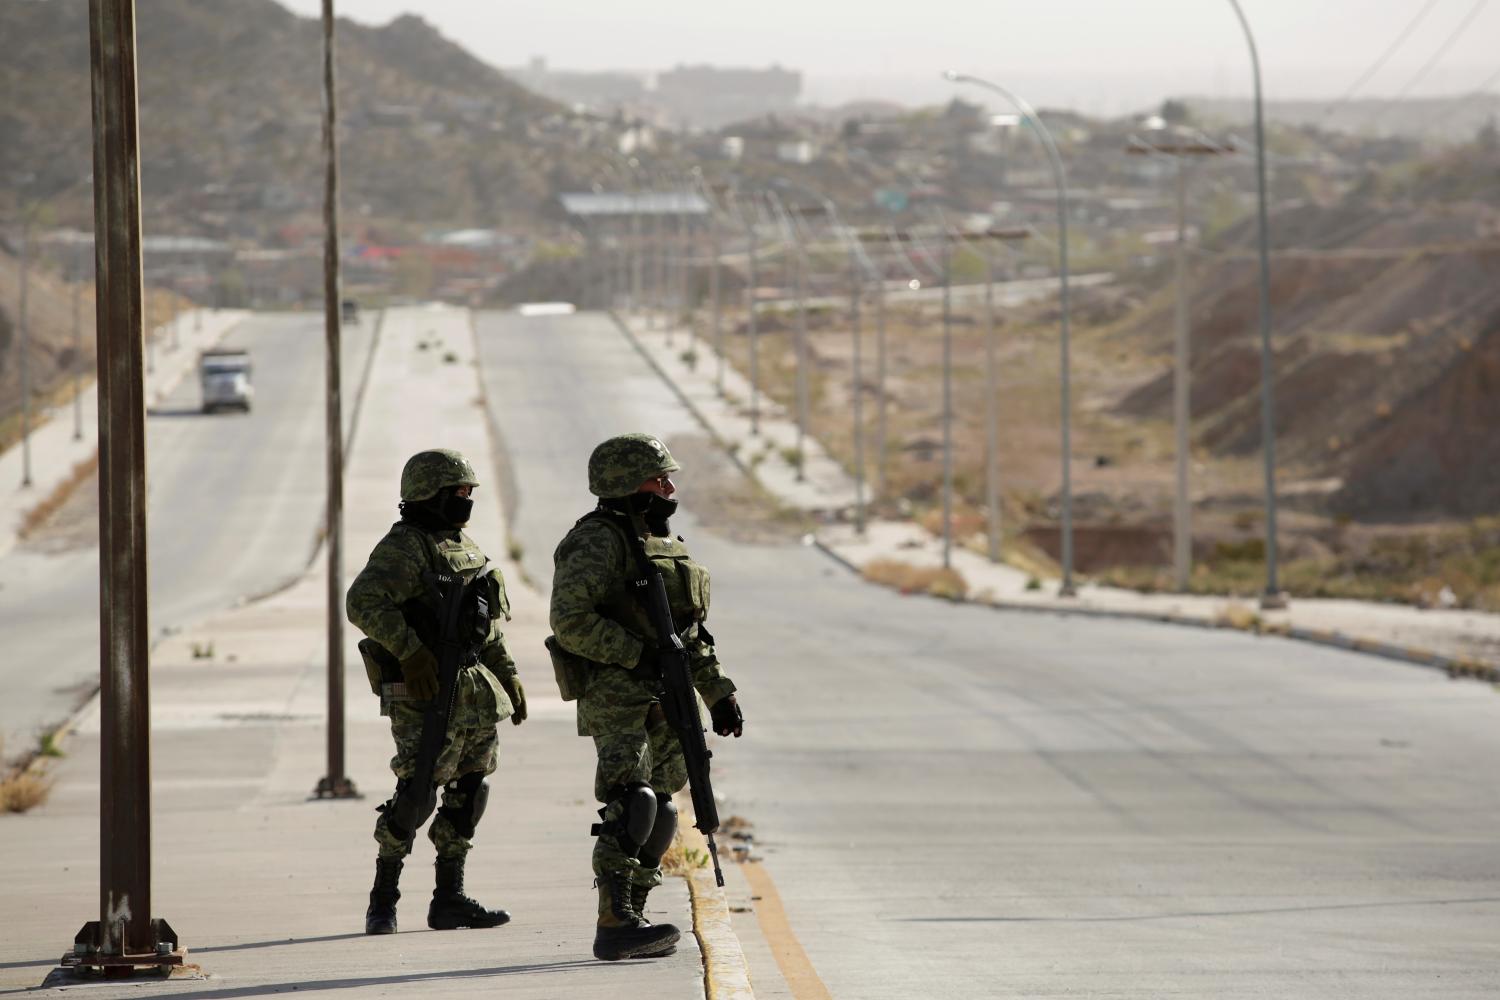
column 595, row 616
column 393, row 575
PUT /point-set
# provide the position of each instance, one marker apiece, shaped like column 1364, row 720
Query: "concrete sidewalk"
column 1464, row 643
column 267, row 886
column 54, row 449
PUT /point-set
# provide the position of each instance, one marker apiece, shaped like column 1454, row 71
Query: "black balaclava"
column 655, row 509
column 442, row 512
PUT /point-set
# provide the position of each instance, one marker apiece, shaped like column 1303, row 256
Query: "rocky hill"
column 1387, row 331
column 231, row 117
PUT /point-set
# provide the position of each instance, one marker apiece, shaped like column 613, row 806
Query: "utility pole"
column 992, row 502
column 335, row 783
column 856, row 384
column 125, row 937
column 1182, row 528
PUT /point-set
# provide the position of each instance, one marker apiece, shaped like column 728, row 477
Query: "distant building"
column 604, row 92
column 710, row 97
column 798, row 151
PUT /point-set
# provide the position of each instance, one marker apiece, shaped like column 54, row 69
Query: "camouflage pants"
column 469, row 749
column 651, row 756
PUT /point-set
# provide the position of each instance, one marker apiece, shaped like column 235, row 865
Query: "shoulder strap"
column 429, row 547
column 615, row 522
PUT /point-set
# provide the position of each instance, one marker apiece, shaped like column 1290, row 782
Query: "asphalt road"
column 235, row 502
column 959, row 802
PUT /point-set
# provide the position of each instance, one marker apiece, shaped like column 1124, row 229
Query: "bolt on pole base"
column 88, row 954
column 336, row 788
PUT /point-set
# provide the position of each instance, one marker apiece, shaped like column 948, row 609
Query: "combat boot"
column 622, row 932
column 380, row 918
column 638, row 894
column 450, row 908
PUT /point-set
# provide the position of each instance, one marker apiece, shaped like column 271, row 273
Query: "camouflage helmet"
column 619, row 466
column 427, row 472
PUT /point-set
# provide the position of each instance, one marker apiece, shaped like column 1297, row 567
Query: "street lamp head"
column 953, row 76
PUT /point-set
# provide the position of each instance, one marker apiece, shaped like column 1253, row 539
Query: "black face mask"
column 455, row 509
column 655, row 509
column 657, row 513
column 440, row 513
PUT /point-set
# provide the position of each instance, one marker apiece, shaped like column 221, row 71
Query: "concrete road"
column 235, row 505
column 954, row 801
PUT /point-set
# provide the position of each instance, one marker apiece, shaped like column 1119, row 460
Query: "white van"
column 225, row 376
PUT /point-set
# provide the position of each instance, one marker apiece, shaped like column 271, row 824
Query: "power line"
column 1442, row 50
column 1385, row 56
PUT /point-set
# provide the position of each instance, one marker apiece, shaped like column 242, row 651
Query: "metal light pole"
column 125, row 936
column 750, row 224
column 880, row 395
column 857, row 264
column 659, row 241
column 1055, row 160
column 635, row 237
column 794, row 235
column 1273, row 597
column 947, row 401
column 991, row 414
column 1182, row 531
column 715, row 294
column 684, row 274
column 335, row 783
column 25, row 325
column 856, row 379
column 78, row 341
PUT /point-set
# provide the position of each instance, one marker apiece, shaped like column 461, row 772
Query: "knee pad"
column 476, row 793
column 634, row 818
column 387, row 808
column 660, row 838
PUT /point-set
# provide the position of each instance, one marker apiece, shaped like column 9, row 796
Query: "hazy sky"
column 1096, row 55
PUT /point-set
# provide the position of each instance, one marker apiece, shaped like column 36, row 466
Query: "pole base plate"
column 336, row 788
column 88, row 954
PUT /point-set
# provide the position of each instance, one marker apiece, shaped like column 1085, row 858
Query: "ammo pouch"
column 572, row 672
column 381, row 667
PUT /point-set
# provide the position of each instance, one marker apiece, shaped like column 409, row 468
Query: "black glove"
column 726, row 716
column 648, row 665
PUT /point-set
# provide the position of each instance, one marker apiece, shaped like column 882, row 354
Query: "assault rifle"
column 417, row 798
column 679, row 701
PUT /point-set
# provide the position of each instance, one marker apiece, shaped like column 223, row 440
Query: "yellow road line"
column 795, row 966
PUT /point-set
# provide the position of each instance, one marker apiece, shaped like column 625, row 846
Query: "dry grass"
column 1238, row 616
column 37, row 517
column 25, row 788
column 935, row 581
column 23, row 791
column 681, row 860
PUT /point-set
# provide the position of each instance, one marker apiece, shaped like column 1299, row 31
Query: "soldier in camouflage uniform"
column 391, row 604
column 605, row 652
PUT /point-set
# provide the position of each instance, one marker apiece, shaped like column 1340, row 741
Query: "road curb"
column 1455, row 667
column 698, row 415
column 726, row 975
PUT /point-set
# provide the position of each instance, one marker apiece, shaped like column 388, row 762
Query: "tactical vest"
column 686, row 583
column 484, row 599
